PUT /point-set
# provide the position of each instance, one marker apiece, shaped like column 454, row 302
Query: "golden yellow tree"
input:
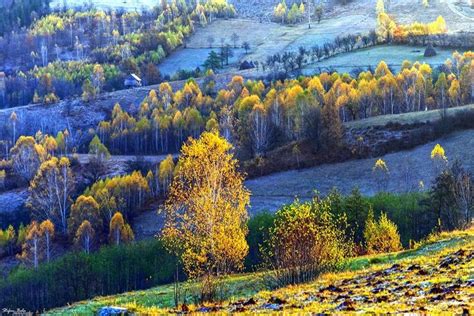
column 50, row 191
column 165, row 173
column 47, row 231
column 26, row 157
column 380, row 7
column 385, row 27
column 280, row 11
column 10, row 239
column 332, row 128
column 439, row 158
column 84, row 209
column 84, row 236
column 381, row 174
column 382, row 235
column 119, row 230
column 454, row 93
column 31, row 248
column 206, row 211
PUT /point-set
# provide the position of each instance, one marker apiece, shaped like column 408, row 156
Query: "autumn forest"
column 183, row 156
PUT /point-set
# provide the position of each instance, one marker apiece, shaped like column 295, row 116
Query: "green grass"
column 427, row 249
column 247, row 285
column 236, row 286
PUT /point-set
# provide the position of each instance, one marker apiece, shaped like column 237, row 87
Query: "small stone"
column 413, row 267
column 382, row 298
column 333, row 288
column 276, row 300
column 422, row 272
column 112, row 310
column 250, row 301
column 347, row 305
column 436, row 290
column 274, row 307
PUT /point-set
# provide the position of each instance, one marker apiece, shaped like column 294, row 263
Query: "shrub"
column 259, row 231
column 382, row 235
column 411, row 213
column 306, row 240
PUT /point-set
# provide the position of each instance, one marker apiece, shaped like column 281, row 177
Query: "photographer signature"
column 17, row 312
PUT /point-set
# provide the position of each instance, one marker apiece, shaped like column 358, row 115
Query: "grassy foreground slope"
column 436, row 277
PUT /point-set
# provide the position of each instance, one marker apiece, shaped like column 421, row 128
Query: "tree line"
column 257, row 117
column 59, row 213
column 78, row 276
column 15, row 15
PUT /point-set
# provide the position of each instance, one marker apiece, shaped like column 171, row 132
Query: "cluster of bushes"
column 410, row 213
column 305, row 240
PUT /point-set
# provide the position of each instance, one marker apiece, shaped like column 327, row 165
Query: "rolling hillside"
column 410, row 170
column 436, row 277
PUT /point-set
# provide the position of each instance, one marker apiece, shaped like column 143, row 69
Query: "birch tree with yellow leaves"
column 206, row 212
column 50, row 191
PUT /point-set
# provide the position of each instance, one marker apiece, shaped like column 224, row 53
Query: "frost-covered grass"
column 270, row 38
column 358, row 270
column 191, row 58
column 406, row 118
column 129, row 5
column 393, row 55
column 415, row 283
column 407, row 169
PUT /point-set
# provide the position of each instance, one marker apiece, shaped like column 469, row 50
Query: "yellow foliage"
column 438, row 153
column 206, row 209
column 382, row 235
column 380, row 165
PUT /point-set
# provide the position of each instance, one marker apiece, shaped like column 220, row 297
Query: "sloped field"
column 409, row 170
column 435, row 278
column 393, row 55
column 437, row 283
